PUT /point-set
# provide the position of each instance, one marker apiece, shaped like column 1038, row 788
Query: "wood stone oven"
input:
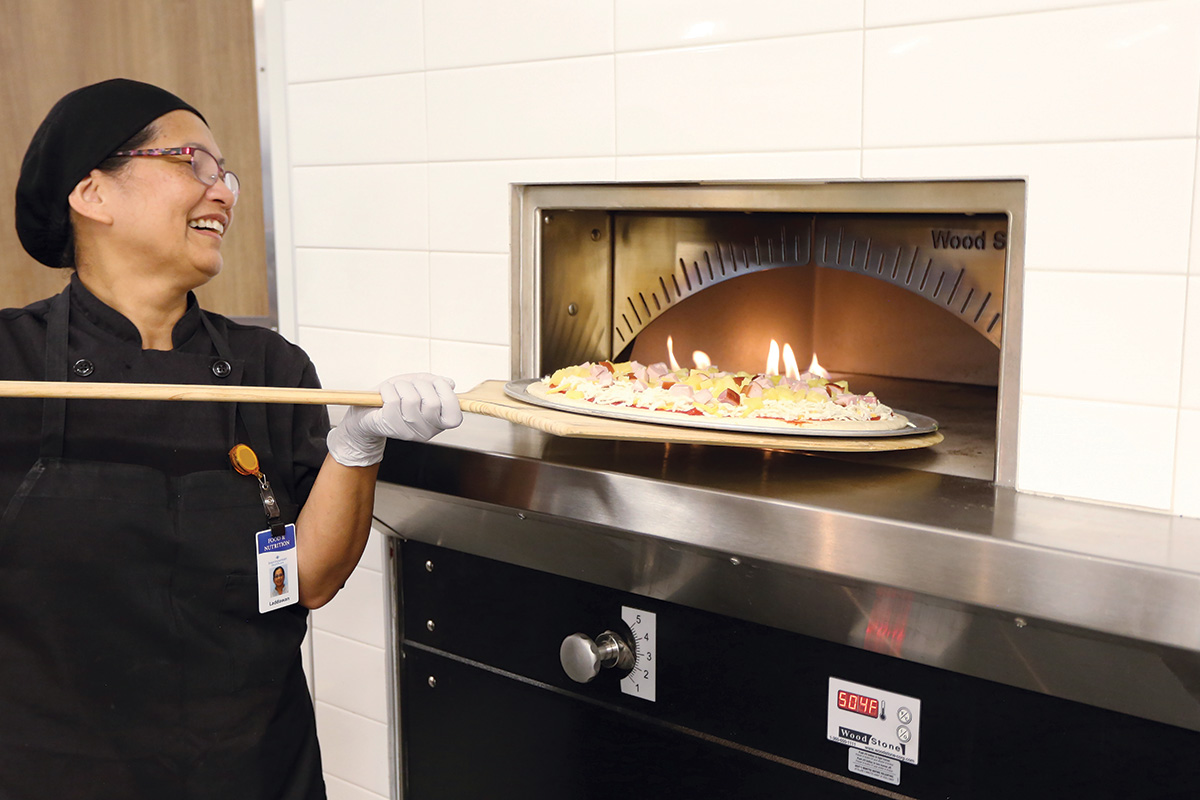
column 575, row 618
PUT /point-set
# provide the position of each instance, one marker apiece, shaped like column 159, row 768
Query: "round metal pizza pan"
column 918, row 423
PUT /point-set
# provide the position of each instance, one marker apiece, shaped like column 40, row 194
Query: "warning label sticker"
column 872, row 765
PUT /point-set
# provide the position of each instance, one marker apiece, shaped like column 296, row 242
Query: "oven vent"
column 954, row 262
column 721, row 251
column 701, row 251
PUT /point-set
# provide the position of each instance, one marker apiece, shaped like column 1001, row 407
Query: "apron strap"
column 54, row 409
column 253, row 416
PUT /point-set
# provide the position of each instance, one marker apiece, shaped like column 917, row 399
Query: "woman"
column 134, row 659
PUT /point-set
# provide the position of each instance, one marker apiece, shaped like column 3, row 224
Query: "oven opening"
column 910, row 306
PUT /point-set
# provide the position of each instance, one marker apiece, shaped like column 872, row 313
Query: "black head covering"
column 80, row 132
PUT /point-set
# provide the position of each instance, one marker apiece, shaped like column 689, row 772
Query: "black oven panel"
column 667, row 701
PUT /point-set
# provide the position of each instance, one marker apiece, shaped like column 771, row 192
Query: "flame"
column 699, row 357
column 816, row 369
column 791, row 367
column 789, row 362
column 772, row 359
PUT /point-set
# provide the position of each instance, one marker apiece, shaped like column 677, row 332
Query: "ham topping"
column 738, row 395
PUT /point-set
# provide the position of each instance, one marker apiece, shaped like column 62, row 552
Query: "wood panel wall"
column 201, row 51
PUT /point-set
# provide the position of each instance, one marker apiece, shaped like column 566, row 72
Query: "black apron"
column 134, row 662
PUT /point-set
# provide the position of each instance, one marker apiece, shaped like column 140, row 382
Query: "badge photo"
column 278, row 578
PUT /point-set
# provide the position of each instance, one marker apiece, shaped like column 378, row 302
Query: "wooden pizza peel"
column 488, row 398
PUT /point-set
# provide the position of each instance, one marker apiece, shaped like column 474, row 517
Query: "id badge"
column 278, row 576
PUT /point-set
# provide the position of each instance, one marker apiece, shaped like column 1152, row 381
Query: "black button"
column 221, row 368
column 83, row 367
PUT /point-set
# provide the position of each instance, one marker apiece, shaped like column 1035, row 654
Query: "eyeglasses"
column 204, row 165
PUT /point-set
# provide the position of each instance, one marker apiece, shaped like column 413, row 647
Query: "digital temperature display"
column 859, row 704
column 873, row 720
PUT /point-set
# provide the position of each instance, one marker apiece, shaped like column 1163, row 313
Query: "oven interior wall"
column 734, row 322
column 865, row 326
column 852, row 323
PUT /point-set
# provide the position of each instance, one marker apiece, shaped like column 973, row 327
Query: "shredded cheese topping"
column 713, row 393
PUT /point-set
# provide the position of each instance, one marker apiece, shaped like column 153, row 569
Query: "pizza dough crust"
column 541, row 390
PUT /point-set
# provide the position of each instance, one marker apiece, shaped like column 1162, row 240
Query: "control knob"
column 582, row 659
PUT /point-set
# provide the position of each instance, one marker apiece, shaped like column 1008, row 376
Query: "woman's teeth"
column 209, row 224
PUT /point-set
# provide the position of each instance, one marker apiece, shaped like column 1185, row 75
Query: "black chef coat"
column 134, row 659
column 106, row 347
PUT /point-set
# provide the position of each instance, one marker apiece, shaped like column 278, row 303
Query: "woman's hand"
column 415, row 408
column 335, row 522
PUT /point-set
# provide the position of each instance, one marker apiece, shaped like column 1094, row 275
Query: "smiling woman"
column 166, row 671
column 151, row 229
column 135, row 674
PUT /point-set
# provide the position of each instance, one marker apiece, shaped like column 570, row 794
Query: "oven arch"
column 953, row 261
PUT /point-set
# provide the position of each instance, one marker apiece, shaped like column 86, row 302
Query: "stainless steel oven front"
column 580, row 619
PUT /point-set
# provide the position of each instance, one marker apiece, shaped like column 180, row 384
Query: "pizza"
column 660, row 394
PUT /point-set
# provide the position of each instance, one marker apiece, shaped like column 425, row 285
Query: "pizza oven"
column 599, row 617
column 911, row 290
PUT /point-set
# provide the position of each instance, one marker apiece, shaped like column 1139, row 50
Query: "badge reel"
column 278, row 576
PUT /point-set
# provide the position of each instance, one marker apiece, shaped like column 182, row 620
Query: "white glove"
column 415, row 407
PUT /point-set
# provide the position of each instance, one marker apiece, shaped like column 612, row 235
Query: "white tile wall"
column 1191, row 348
column 544, row 109
column 338, row 789
column 357, row 613
column 687, row 23
column 1121, row 452
column 880, row 13
column 343, row 122
column 379, row 206
column 350, row 675
column 1112, row 338
column 460, row 33
column 801, row 93
column 353, row 748
column 407, row 119
column 813, row 165
column 376, row 291
column 462, row 297
column 325, row 40
column 1195, row 261
column 1059, row 76
column 469, row 364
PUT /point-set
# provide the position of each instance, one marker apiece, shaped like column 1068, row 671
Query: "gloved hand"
column 415, row 407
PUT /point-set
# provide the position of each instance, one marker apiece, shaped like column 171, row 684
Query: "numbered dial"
column 642, row 680
column 582, row 658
